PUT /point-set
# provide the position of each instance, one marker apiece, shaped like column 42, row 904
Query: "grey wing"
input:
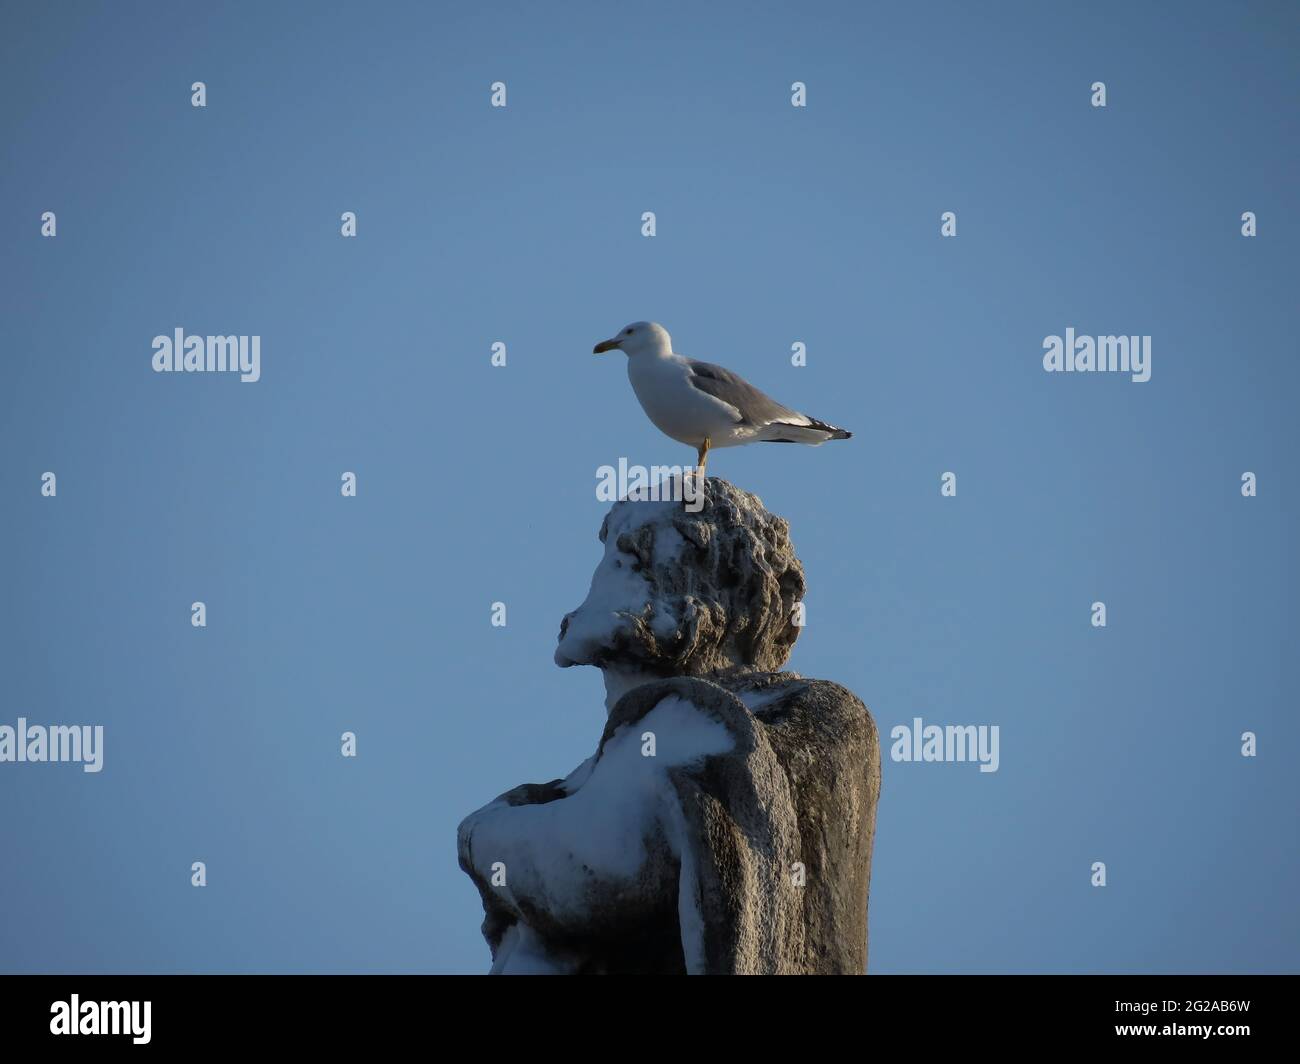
column 754, row 407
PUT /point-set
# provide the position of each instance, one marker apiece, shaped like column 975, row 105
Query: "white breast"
column 677, row 409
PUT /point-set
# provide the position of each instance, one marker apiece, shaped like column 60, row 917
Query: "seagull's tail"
column 813, row 433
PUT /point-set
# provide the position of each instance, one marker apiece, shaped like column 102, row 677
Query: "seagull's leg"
column 702, row 458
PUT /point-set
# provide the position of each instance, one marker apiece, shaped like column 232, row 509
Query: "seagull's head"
column 638, row 337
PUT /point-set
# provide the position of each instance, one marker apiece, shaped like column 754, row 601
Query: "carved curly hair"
column 730, row 589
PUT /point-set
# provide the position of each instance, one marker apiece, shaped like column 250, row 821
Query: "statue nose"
column 564, row 624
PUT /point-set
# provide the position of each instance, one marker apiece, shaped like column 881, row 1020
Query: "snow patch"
column 555, row 852
column 619, row 593
column 758, row 697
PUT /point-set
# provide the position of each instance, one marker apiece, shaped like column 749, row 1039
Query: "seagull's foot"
column 702, row 457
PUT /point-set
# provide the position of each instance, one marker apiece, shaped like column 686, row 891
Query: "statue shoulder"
column 707, row 697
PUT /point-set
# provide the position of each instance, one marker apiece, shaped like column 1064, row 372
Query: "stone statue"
column 725, row 822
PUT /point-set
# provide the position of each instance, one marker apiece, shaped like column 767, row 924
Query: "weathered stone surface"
column 743, row 845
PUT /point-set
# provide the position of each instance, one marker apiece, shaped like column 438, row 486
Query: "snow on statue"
column 725, row 822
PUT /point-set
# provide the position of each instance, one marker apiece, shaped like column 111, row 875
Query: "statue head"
column 688, row 594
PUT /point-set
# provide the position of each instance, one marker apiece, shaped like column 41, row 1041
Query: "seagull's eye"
column 627, row 332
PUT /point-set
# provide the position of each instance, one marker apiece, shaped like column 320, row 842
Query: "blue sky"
column 522, row 225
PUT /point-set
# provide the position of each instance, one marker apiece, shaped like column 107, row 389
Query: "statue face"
column 682, row 593
column 623, row 620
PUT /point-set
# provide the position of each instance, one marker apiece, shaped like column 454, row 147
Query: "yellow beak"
column 603, row 346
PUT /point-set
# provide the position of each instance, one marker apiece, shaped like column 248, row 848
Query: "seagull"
column 704, row 405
